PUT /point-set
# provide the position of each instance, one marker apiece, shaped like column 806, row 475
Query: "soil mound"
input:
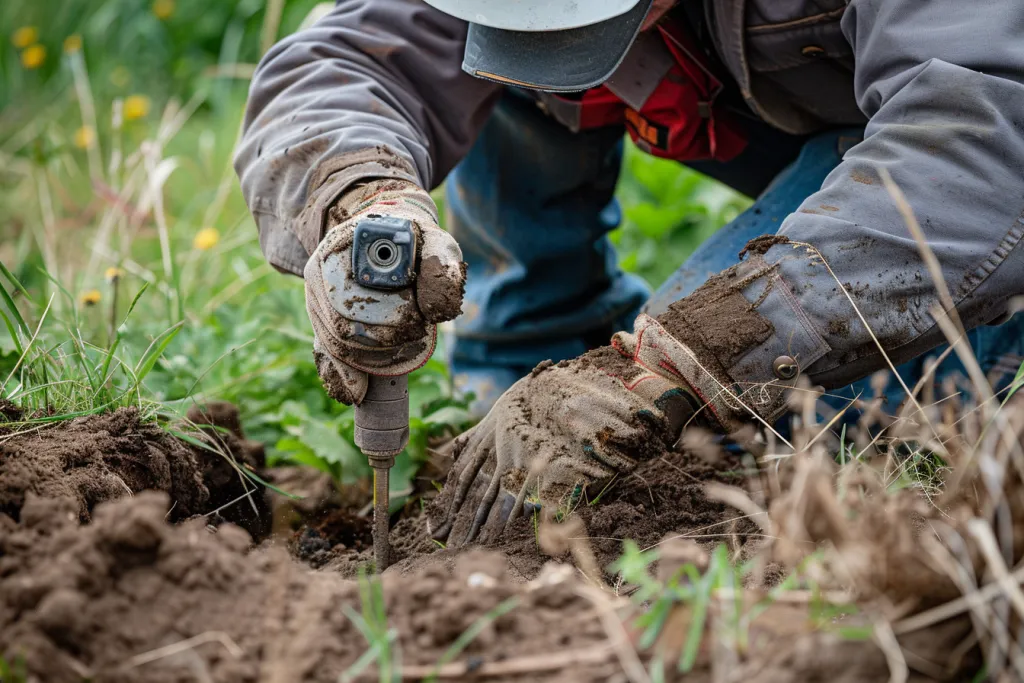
column 129, row 597
column 100, row 458
column 95, row 459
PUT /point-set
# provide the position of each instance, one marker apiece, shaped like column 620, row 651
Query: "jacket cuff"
column 749, row 326
column 288, row 244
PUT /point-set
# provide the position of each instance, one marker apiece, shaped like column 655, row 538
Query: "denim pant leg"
column 999, row 349
column 531, row 206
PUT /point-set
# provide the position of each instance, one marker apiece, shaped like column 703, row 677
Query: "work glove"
column 570, row 425
column 347, row 348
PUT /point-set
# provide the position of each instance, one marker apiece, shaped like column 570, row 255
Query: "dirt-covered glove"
column 346, row 347
column 568, row 426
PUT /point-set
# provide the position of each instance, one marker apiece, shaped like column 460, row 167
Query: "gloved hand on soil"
column 571, row 425
column 346, row 350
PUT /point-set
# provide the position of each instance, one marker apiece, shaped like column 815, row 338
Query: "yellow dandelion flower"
column 85, row 137
column 205, row 239
column 113, row 274
column 25, row 36
column 136, row 107
column 91, row 298
column 72, row 44
column 163, row 9
column 33, row 56
column 120, row 76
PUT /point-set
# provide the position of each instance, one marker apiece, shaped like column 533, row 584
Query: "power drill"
column 383, row 264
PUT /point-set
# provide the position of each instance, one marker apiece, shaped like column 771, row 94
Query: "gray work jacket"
column 375, row 89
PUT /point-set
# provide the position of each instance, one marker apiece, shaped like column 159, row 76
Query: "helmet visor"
column 534, row 15
column 555, row 61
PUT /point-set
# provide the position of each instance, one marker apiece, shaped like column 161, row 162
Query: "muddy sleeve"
column 943, row 84
column 373, row 89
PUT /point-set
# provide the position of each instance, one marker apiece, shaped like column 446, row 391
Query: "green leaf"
column 654, row 620
column 449, row 416
column 1018, row 382
column 12, row 330
column 301, row 454
column 856, row 632
column 698, row 619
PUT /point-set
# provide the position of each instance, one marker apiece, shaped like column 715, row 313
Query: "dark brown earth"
column 107, row 457
column 82, row 601
column 102, row 586
column 99, row 602
column 93, row 460
column 664, row 498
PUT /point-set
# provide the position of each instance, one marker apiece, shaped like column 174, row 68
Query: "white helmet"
column 534, row 15
column 554, row 45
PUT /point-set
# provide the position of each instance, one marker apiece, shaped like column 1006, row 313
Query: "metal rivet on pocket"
column 812, row 51
column 785, row 367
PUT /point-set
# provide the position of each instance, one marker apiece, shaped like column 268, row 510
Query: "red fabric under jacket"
column 678, row 119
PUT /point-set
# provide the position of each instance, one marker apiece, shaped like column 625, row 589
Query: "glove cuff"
column 391, row 196
column 695, row 367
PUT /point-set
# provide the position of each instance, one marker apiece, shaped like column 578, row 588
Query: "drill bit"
column 381, row 515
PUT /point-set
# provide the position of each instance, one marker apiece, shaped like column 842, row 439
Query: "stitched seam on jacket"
column 822, row 18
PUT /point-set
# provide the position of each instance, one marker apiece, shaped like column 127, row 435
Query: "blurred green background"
column 117, row 122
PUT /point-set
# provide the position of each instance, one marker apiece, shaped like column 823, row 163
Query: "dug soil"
column 115, row 564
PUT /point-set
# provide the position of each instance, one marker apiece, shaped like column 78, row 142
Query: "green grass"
column 372, row 623
column 13, row 672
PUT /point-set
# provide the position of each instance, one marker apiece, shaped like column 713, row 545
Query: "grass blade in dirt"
column 245, row 471
column 470, row 634
column 373, row 624
column 13, row 673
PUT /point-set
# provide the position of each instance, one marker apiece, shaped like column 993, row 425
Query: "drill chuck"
column 382, row 419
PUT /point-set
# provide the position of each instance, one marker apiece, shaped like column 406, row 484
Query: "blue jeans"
column 532, row 206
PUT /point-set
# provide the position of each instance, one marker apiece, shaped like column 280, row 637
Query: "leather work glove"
column 570, row 425
column 359, row 331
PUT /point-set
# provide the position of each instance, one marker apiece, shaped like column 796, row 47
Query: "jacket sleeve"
column 373, row 89
column 943, row 84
